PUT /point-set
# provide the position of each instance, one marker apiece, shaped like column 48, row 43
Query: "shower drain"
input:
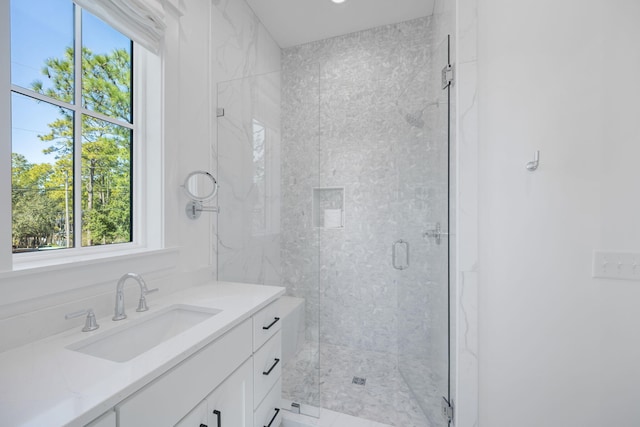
column 359, row 380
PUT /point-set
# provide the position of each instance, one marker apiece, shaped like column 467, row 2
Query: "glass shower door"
column 384, row 169
column 248, row 172
column 266, row 171
column 423, row 288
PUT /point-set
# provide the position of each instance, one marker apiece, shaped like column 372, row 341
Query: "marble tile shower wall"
column 356, row 114
column 300, row 255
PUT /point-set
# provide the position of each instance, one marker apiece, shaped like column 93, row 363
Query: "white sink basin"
column 138, row 336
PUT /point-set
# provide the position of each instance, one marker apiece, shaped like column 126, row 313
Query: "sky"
column 42, row 29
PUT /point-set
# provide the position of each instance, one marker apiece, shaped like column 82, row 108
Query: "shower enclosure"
column 334, row 182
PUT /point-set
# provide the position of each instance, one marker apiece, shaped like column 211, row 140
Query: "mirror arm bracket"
column 194, row 209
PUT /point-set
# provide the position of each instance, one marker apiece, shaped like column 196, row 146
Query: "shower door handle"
column 394, row 255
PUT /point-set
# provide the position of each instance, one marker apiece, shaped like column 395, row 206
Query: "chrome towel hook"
column 531, row 166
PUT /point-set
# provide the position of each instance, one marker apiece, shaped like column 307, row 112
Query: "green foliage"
column 35, row 204
column 38, row 196
column 33, row 226
column 106, row 83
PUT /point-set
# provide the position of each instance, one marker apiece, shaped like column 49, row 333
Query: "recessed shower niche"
column 328, row 207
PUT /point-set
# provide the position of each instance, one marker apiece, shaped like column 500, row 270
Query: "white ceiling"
column 294, row 22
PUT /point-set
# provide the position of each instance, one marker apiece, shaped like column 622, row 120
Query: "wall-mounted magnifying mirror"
column 200, row 186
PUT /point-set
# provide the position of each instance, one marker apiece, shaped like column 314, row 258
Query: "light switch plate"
column 616, row 265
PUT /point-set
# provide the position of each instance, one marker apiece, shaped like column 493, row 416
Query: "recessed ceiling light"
column 338, row 1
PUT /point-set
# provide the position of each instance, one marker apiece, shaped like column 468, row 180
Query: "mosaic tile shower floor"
column 385, row 397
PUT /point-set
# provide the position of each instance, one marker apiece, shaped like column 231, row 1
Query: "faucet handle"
column 90, row 323
column 142, row 304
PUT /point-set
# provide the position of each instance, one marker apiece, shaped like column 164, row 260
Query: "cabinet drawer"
column 267, row 367
column 165, row 401
column 266, row 323
column 269, row 413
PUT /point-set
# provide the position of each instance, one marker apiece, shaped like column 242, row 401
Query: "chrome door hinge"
column 220, row 112
column 447, row 410
column 447, row 76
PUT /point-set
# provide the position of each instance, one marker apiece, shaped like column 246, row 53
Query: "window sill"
column 42, row 277
column 47, row 259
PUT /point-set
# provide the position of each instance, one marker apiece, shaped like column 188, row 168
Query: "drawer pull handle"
column 218, row 415
column 271, row 368
column 272, row 323
column 203, row 425
column 274, row 417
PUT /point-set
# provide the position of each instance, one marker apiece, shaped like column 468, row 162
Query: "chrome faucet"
column 142, row 304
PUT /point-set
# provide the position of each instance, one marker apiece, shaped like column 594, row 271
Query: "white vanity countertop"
column 45, row 384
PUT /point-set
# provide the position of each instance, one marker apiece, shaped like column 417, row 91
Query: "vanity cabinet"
column 233, row 382
column 192, row 351
column 228, row 406
column 166, row 400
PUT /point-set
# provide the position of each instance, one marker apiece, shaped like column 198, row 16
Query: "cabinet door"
column 188, row 383
column 231, row 404
column 106, row 420
column 196, row 418
column 269, row 413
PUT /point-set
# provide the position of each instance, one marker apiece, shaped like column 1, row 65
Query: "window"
column 72, row 128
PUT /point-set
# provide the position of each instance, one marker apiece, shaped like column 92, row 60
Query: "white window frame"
column 66, row 269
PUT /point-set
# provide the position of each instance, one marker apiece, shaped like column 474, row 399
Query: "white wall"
column 465, row 305
column 558, row 347
column 190, row 149
column 620, row 210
